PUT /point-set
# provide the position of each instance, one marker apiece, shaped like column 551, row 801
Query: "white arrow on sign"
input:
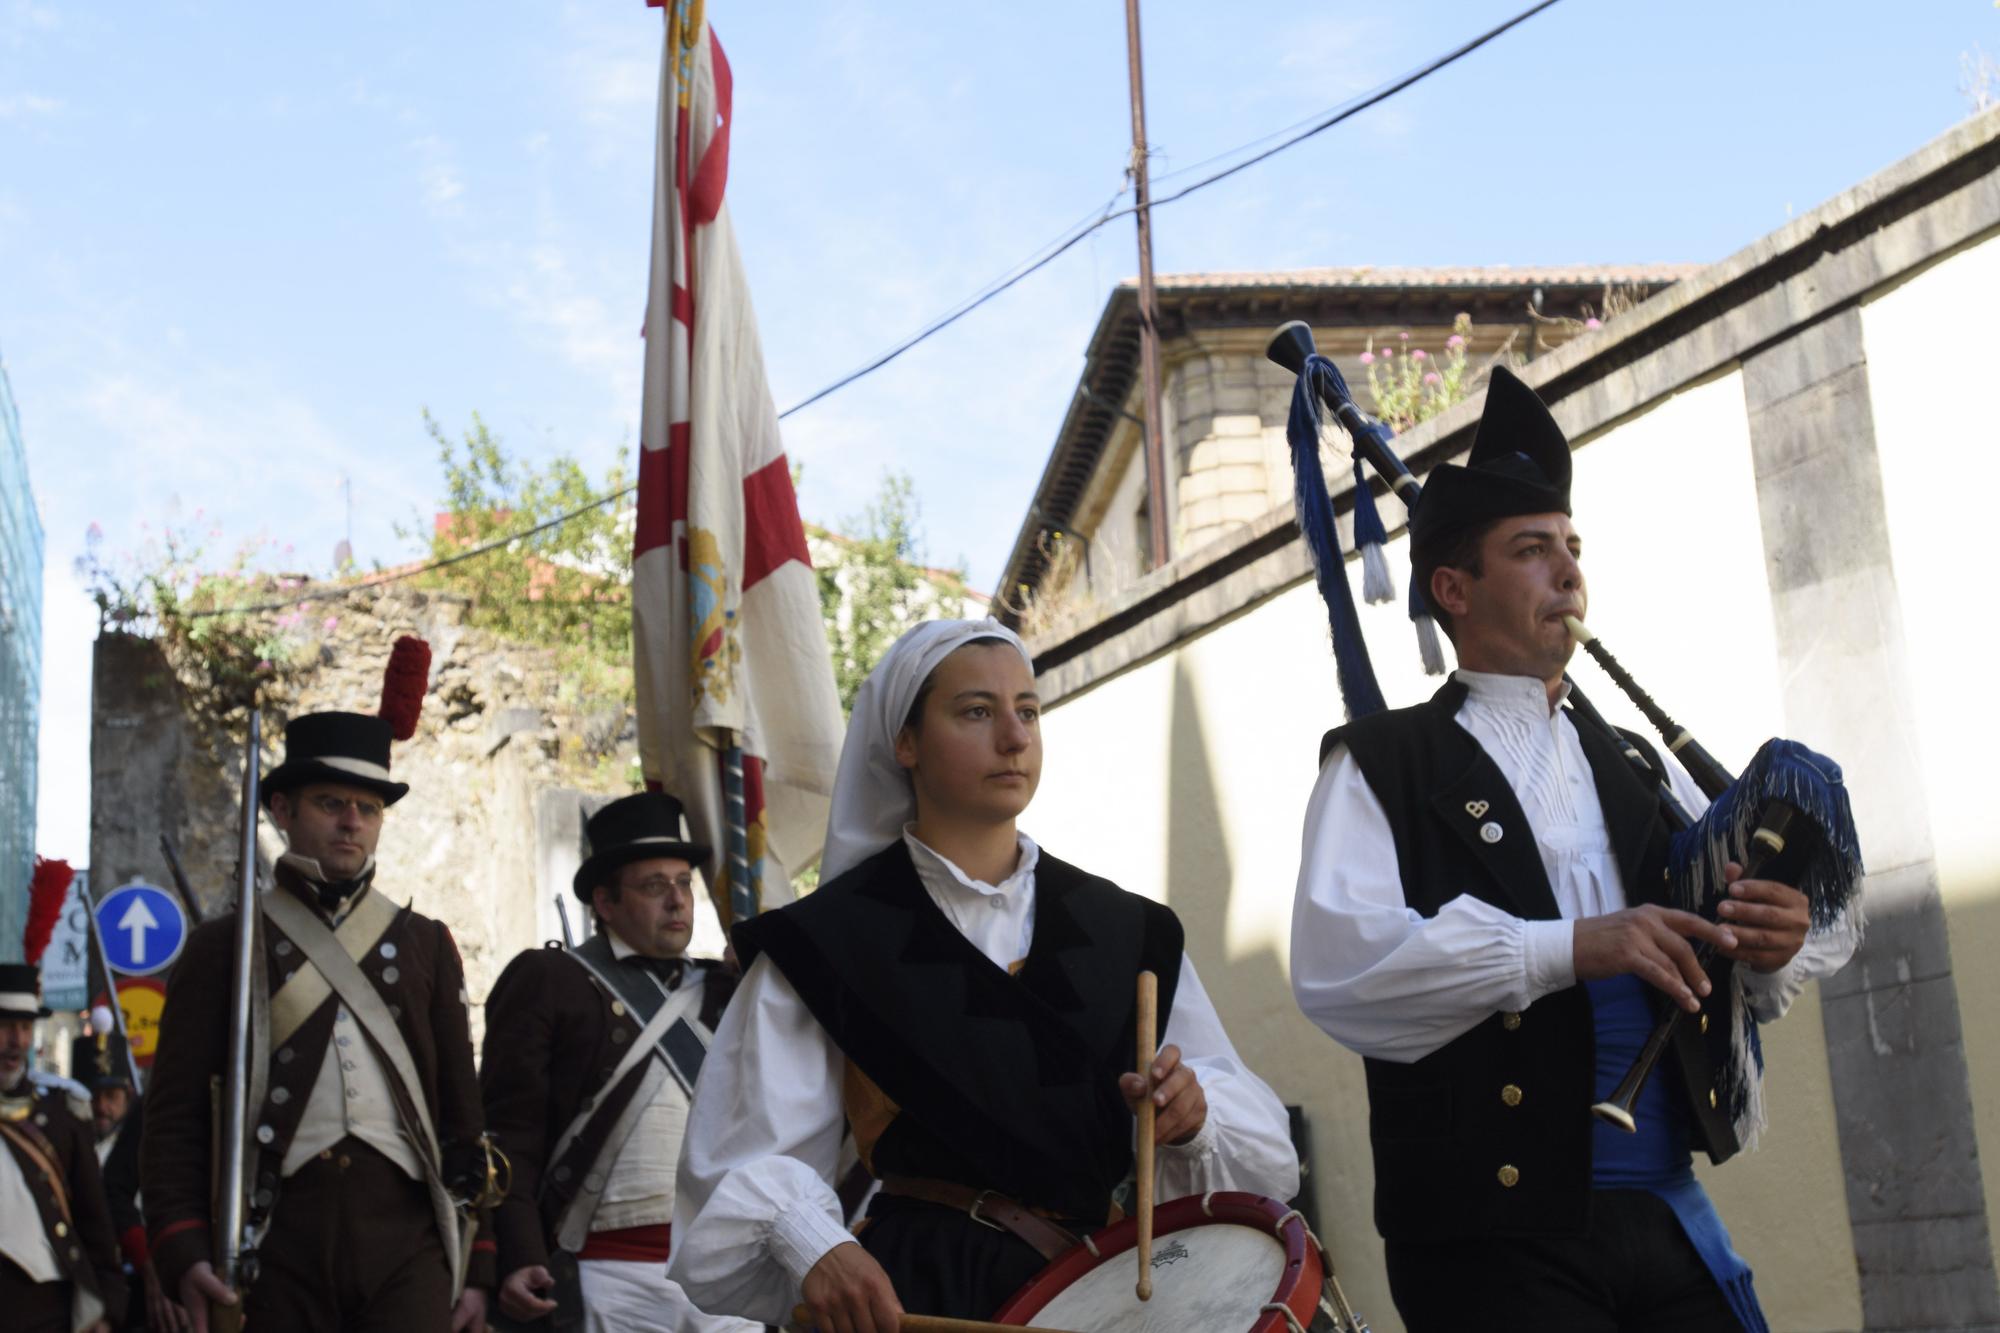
column 138, row 919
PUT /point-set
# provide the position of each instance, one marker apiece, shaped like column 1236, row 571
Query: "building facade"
column 20, row 671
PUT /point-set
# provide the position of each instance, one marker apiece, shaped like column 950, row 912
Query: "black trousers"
column 944, row 1263
column 1634, row 1271
column 30, row 1306
column 353, row 1248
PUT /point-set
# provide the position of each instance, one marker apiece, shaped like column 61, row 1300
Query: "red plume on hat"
column 46, row 892
column 404, row 683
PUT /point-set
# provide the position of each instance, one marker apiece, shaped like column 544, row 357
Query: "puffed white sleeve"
column 1246, row 1142
column 754, row 1202
column 1377, row 975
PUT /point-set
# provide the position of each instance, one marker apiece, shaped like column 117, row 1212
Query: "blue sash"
column 1658, row 1158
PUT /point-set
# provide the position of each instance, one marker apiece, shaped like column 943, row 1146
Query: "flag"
column 729, row 648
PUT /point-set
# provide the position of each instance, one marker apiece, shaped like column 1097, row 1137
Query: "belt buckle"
column 974, row 1213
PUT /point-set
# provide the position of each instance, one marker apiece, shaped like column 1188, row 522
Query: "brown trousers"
column 31, row 1306
column 352, row 1248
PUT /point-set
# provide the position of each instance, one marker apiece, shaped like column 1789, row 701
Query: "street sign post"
column 142, row 928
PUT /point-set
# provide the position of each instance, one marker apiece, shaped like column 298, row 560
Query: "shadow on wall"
column 1253, row 994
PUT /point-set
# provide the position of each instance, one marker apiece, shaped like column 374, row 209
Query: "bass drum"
column 1222, row 1263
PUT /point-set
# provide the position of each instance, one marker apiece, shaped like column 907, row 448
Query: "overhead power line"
column 1036, row 262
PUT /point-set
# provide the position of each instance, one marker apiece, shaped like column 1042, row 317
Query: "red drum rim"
column 1298, row 1287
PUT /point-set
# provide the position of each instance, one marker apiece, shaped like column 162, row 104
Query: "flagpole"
column 736, row 827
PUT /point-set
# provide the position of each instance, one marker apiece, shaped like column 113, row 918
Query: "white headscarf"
column 872, row 796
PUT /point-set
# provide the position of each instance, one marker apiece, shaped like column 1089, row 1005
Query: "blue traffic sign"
column 142, row 928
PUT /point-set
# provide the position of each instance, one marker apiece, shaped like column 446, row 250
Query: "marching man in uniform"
column 368, row 1123
column 59, row 1269
column 590, row 1064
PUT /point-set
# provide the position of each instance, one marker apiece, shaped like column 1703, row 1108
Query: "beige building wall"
column 1929, row 344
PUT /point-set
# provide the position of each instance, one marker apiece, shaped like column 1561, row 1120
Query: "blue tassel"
column 1359, row 690
column 1370, row 537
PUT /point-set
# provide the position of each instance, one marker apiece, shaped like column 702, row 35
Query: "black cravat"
column 668, row 970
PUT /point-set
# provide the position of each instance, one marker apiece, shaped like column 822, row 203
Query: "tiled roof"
column 1369, row 275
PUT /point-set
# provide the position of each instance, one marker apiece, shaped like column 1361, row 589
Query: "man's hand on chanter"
column 1652, row 943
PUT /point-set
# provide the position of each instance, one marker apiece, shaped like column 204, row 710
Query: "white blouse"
column 1388, row 982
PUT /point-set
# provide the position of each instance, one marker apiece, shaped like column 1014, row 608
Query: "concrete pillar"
column 1903, row 1101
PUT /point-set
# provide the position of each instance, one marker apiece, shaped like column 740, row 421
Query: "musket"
column 235, row 1260
column 189, row 903
column 562, row 915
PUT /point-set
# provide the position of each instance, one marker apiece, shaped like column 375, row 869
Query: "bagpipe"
column 1786, row 818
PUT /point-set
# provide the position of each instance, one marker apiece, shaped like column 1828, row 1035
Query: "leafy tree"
column 873, row 583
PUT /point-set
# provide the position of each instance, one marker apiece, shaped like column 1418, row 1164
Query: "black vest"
column 1441, row 1129
column 1008, row 1083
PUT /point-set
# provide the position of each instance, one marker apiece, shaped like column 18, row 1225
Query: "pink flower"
column 1593, row 323
column 1367, row 359
column 1456, row 341
column 328, row 625
column 1388, row 352
column 1404, row 336
column 1419, row 354
column 1433, row 378
column 264, row 665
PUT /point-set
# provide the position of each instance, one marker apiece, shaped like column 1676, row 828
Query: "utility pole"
column 1149, row 332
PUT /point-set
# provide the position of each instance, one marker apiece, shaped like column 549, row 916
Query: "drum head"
column 1216, row 1264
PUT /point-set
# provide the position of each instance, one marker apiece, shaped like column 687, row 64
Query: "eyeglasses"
column 655, row 887
column 333, row 807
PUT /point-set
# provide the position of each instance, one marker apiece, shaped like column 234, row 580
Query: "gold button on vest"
column 1510, row 1021
column 1704, row 1022
column 1711, row 1099
column 1509, row 1177
column 1511, row 1095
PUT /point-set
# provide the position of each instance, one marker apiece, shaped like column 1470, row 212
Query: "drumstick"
column 1149, row 1021
column 932, row 1323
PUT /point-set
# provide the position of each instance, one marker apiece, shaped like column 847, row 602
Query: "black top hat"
column 349, row 748
column 21, row 991
column 1520, row 464
column 92, row 1065
column 634, row 828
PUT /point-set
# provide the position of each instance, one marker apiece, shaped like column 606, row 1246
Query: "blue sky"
column 243, row 246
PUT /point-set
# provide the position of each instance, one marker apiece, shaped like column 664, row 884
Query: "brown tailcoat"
column 552, row 1042
column 85, row 1245
column 427, row 1000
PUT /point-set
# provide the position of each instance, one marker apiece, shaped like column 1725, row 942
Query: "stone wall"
column 500, row 770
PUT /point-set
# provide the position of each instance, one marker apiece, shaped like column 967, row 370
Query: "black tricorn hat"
column 634, row 828
column 1520, row 464
column 349, row 748
column 21, row 991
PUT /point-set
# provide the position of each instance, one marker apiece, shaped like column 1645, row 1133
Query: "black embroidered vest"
column 1491, row 1134
column 1003, row 1082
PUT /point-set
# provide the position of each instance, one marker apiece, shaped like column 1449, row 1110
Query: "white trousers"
column 625, row 1296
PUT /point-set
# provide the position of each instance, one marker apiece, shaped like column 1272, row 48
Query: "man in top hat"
column 367, row 1130
column 590, row 1062
column 58, row 1254
column 1478, row 914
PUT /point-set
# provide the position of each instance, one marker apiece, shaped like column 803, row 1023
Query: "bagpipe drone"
column 1786, row 818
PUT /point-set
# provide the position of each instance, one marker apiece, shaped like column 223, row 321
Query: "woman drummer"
column 964, row 1003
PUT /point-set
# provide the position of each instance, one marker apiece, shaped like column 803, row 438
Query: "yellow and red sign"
column 140, row 1000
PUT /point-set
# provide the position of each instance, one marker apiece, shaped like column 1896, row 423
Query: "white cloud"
column 20, row 106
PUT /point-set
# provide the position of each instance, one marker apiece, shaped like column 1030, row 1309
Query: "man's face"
column 978, row 756
column 654, row 909
column 336, row 824
column 17, row 1038
column 108, row 1107
column 1510, row 619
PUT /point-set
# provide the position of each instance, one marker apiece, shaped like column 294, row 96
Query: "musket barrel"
column 229, row 1190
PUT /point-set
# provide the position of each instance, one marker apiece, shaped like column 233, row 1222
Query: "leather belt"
column 985, row 1207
